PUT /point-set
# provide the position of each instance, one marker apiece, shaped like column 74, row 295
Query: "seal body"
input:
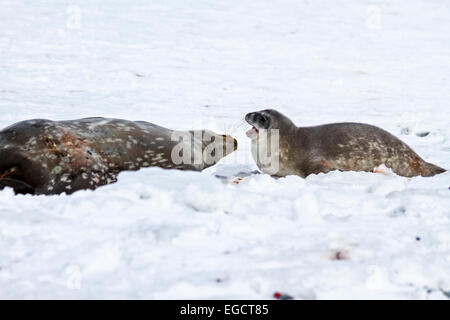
column 338, row 146
column 51, row 157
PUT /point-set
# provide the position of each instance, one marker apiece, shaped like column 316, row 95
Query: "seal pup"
column 51, row 157
column 338, row 146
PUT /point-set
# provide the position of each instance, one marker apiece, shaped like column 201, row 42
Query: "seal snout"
column 249, row 117
column 258, row 120
column 252, row 117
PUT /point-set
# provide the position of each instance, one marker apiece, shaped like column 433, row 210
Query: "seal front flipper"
column 20, row 187
column 318, row 166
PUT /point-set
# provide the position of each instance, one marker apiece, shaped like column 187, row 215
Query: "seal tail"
column 431, row 170
column 19, row 172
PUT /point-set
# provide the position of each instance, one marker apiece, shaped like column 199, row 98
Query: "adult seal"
column 52, row 157
column 338, row 146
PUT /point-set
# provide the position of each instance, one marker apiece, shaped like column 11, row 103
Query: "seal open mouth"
column 252, row 132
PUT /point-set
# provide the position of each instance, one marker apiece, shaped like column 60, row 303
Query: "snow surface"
column 205, row 64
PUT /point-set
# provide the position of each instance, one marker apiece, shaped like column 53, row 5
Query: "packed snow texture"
column 205, row 64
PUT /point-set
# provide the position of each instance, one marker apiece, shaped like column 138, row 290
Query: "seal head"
column 266, row 120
